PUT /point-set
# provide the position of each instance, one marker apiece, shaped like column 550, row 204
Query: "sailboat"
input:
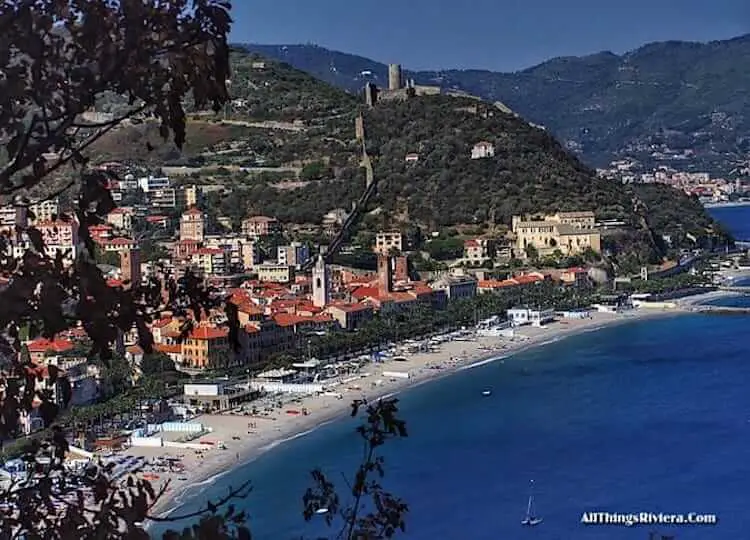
column 530, row 520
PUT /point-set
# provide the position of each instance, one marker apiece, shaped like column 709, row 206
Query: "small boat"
column 486, row 393
column 321, row 511
column 530, row 520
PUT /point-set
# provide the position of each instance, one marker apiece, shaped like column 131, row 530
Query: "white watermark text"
column 647, row 518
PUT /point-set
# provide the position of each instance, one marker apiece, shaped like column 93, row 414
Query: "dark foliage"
column 373, row 513
column 59, row 60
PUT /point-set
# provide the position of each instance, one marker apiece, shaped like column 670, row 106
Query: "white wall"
column 147, row 441
column 308, row 388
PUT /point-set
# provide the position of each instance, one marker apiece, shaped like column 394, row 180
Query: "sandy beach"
column 247, row 437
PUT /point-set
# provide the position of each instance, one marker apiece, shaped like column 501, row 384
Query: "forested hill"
column 669, row 96
column 287, row 147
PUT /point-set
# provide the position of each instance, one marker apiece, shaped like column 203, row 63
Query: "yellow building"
column 279, row 273
column 207, row 348
column 192, row 225
column 569, row 232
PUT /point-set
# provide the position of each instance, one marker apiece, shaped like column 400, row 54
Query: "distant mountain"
column 676, row 103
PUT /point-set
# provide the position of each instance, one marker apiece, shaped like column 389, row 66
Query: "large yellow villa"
column 570, row 232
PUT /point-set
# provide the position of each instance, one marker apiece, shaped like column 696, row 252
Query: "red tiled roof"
column 209, row 251
column 290, row 319
column 399, row 296
column 192, row 211
column 361, row 293
column 250, row 308
column 161, row 323
column 526, row 279
column 422, row 289
column 495, row 284
column 37, row 371
column 41, row 345
column 471, row 243
column 119, row 241
column 208, row 332
column 166, row 349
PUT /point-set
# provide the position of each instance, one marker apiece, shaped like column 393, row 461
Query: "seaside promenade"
column 245, row 438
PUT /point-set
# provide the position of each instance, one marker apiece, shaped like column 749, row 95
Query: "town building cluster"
column 284, row 294
column 701, row 184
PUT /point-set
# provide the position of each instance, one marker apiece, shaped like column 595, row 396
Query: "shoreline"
column 726, row 204
column 461, row 355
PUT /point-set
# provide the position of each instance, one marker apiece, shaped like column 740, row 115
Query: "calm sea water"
column 735, row 218
column 650, row 416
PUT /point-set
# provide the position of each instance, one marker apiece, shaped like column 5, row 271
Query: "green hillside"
column 671, row 96
column 297, row 136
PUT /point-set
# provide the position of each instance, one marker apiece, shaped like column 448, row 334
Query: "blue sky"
column 492, row 34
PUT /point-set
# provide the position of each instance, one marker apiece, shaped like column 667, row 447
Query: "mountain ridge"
column 673, row 96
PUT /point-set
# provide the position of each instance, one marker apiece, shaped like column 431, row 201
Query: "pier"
column 721, row 310
column 741, row 289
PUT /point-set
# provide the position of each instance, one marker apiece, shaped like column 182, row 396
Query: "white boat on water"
column 486, row 393
column 531, row 519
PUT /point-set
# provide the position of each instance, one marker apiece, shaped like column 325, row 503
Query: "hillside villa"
column 571, row 233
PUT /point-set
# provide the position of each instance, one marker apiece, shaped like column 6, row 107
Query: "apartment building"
column 193, row 225
column 210, row 261
column 259, row 226
column 295, row 254
column 279, row 273
column 387, row 241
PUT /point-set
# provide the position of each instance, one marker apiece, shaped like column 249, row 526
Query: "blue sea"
column 735, row 218
column 650, row 416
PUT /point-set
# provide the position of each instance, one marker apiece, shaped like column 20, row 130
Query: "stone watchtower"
column 394, row 77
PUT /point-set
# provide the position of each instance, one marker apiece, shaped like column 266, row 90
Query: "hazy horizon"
column 438, row 34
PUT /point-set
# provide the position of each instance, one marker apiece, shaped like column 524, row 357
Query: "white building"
column 456, row 287
column 536, row 317
column 385, row 241
column 295, row 254
column 151, row 183
column 482, row 149
column 321, row 283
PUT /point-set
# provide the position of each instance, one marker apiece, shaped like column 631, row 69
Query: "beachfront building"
column 207, row 348
column 520, row 316
column 216, row 395
column 350, row 316
column 456, row 286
